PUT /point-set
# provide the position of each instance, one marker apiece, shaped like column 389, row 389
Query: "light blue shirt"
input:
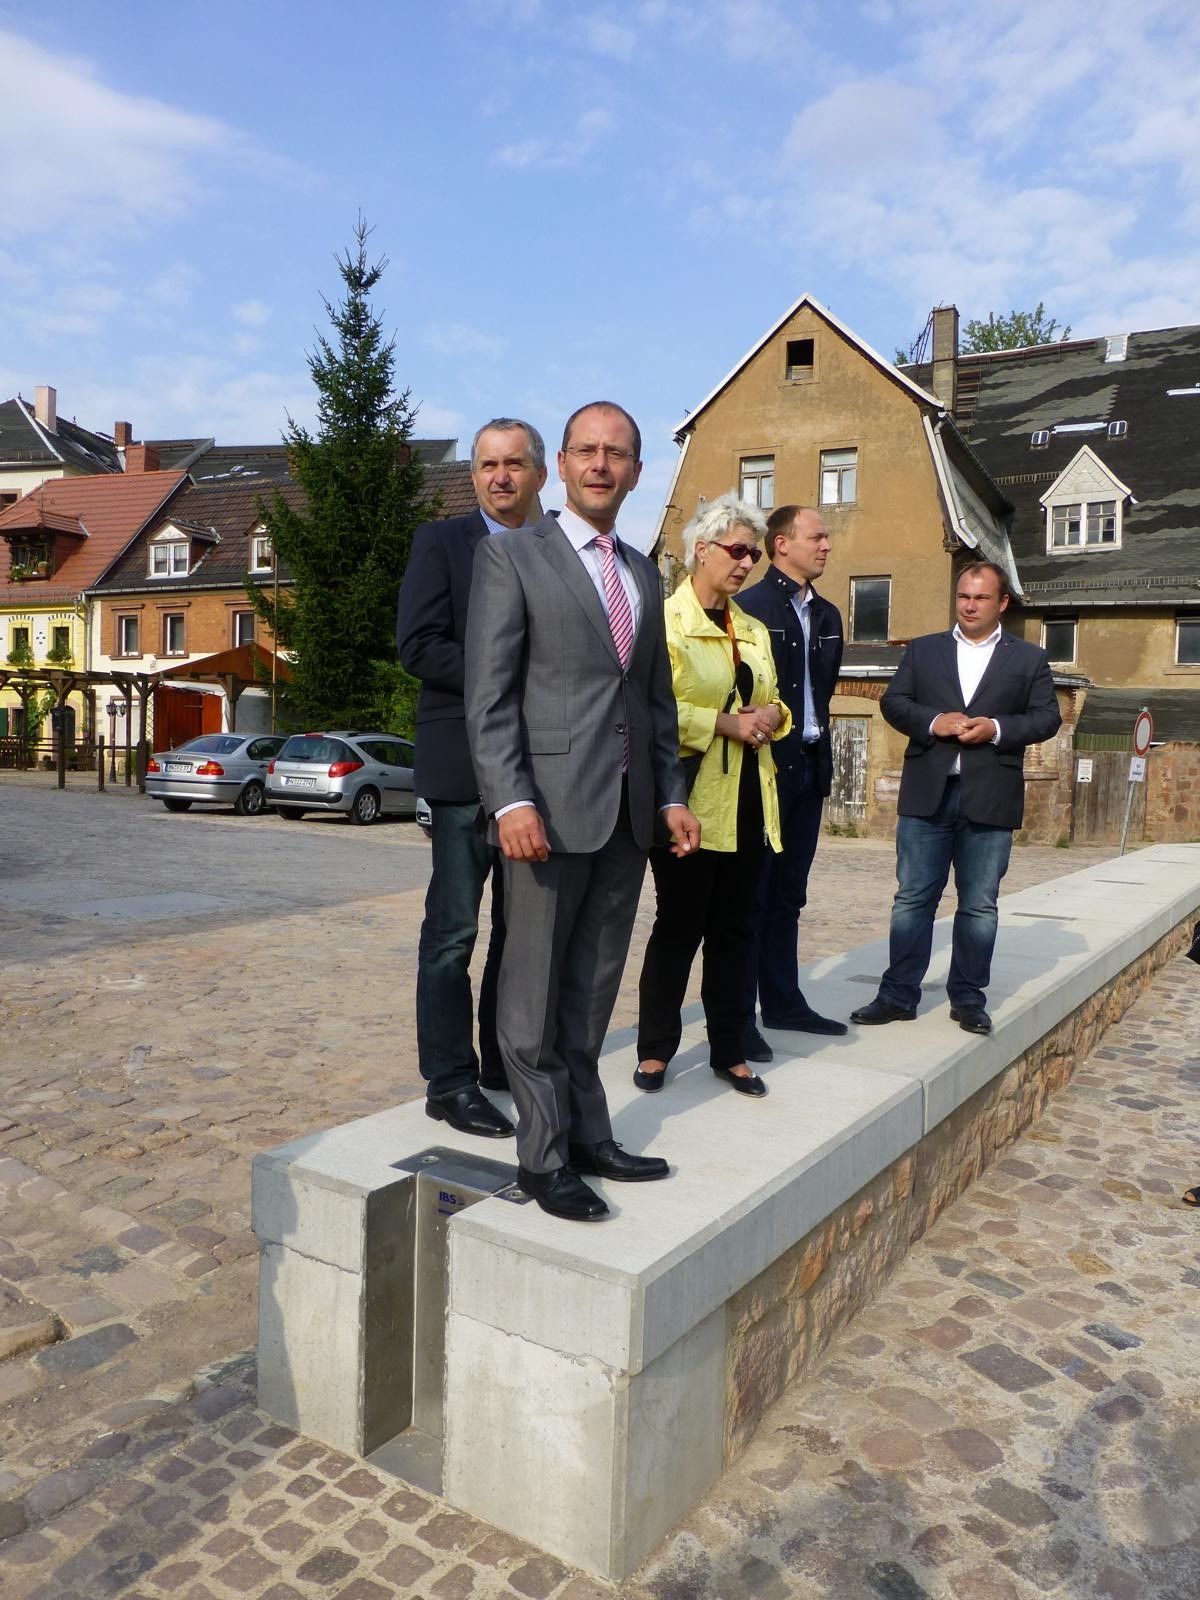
column 582, row 538
column 803, row 609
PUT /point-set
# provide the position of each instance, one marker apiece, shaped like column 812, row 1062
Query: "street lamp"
column 115, row 709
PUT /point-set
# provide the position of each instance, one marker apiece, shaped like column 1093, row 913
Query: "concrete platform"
column 586, row 1386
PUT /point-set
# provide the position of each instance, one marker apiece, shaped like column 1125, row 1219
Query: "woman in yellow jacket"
column 723, row 673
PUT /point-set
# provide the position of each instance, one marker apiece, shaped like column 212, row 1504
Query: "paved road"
column 179, row 992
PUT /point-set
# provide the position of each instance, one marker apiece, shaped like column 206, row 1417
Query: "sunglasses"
column 739, row 552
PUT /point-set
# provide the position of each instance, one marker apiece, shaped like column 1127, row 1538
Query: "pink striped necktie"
column 620, row 617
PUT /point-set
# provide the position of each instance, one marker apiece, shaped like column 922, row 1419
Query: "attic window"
column 169, row 559
column 1117, row 430
column 1115, row 347
column 800, row 354
column 1040, row 439
column 1195, row 389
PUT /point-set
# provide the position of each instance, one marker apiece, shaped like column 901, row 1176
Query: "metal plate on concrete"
column 451, row 1167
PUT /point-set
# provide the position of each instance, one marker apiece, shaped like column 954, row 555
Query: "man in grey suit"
column 574, row 737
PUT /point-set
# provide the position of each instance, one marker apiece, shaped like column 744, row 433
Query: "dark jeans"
column 463, row 860
column 926, row 847
column 702, row 897
column 773, row 970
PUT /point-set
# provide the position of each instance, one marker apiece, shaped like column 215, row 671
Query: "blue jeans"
column 463, row 860
column 773, row 973
column 926, row 847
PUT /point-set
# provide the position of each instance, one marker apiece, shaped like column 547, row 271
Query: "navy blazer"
column 1017, row 689
column 431, row 627
column 771, row 602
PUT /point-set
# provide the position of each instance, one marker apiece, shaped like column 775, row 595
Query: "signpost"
column 1143, row 732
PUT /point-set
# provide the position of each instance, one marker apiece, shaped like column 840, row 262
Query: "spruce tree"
column 346, row 549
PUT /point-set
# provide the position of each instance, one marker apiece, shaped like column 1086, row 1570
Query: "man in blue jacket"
column 806, row 637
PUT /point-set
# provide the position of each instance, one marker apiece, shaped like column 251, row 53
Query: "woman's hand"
column 753, row 726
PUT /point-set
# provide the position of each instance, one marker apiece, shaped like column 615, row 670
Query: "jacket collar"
column 697, row 622
column 786, row 585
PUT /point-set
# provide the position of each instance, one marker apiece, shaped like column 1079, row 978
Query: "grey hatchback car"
column 226, row 769
column 366, row 775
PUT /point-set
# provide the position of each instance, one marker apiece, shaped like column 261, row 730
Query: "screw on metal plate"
column 514, row 1194
column 428, row 1161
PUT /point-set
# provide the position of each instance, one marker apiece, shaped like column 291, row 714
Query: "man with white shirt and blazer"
column 574, row 736
column 971, row 701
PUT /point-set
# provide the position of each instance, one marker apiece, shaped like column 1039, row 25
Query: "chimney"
column 122, row 434
column 944, row 381
column 141, row 458
column 45, row 407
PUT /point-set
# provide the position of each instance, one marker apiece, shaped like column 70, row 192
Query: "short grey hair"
column 713, row 519
column 537, row 445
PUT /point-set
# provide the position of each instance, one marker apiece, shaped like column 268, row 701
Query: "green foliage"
column 20, row 656
column 346, row 551
column 1016, row 331
column 60, row 655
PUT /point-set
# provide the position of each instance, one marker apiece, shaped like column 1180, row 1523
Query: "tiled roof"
column 1176, row 712
column 23, row 443
column 1157, row 458
column 112, row 509
column 450, row 482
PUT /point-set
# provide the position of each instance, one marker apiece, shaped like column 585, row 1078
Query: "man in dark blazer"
column 806, row 639
column 970, row 701
column 508, row 467
column 574, row 735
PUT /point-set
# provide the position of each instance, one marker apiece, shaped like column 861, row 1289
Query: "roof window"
column 1195, row 389
column 1040, row 439
column 1117, row 430
column 1115, row 347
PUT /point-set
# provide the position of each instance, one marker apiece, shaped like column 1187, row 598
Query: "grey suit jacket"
column 548, row 704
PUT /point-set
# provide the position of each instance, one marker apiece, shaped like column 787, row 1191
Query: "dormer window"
column 169, row 558
column 1084, row 507
column 1084, row 522
column 262, row 557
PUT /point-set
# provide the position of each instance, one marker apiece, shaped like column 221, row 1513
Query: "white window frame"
column 168, row 618
column 756, row 481
column 123, row 621
column 237, row 619
column 869, row 577
column 176, row 558
column 839, row 477
column 262, row 553
column 1194, row 622
column 1088, row 515
column 1073, row 622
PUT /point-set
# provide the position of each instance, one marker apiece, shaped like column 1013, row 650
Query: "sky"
column 575, row 201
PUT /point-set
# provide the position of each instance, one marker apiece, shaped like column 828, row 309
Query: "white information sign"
column 1083, row 773
column 1137, row 769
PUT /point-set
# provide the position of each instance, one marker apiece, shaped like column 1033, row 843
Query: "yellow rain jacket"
column 702, row 675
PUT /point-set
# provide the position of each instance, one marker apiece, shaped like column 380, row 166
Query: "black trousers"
column 702, row 898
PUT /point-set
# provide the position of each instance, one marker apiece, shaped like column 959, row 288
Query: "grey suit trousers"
column 552, row 1015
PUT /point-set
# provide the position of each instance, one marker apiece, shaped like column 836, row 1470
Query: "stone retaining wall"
column 781, row 1322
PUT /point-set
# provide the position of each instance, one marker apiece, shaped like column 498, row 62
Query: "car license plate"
column 178, row 766
column 301, row 783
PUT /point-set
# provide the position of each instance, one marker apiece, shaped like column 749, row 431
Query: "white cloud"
column 567, row 151
column 457, row 339
column 173, row 285
column 434, row 421
column 251, row 313
column 608, row 38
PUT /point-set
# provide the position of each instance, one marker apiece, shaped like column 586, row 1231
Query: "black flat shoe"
column 804, row 1022
column 879, row 1011
column 606, row 1159
column 753, row 1085
column 755, row 1047
column 971, row 1019
column 562, row 1194
column 468, row 1112
column 649, row 1082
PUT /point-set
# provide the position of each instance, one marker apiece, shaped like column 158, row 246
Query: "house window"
column 243, row 627
column 1083, row 523
column 18, row 641
column 8, row 497
column 127, row 637
column 60, row 641
column 870, row 605
column 1058, row 638
column 1187, row 641
column 799, row 360
column 173, row 643
column 758, row 481
column 262, row 557
column 839, row 477
column 169, row 559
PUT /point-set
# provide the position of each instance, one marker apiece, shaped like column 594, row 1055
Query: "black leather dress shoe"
column 649, row 1082
column 807, row 1021
column 607, row 1160
column 755, row 1047
column 881, row 1011
column 562, row 1194
column 752, row 1085
column 469, row 1112
column 971, row 1019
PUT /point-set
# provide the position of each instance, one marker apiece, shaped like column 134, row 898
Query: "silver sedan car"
column 364, row 775
column 225, row 769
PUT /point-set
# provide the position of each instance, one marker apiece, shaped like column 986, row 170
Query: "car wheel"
column 175, row 804
column 366, row 806
column 252, row 801
column 291, row 813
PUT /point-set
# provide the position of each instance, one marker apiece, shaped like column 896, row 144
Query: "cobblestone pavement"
column 1016, row 1414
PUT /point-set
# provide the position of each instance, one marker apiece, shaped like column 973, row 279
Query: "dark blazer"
column 771, row 602
column 550, row 710
column 1017, row 689
column 431, row 627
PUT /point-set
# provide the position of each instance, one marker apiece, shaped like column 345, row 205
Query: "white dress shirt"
column 973, row 658
column 582, row 538
column 803, row 609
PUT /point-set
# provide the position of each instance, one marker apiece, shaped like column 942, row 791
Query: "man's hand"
column 523, row 835
column 950, row 724
column 979, row 730
column 683, row 828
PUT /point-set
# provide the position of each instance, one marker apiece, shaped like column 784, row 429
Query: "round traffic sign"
column 1143, row 732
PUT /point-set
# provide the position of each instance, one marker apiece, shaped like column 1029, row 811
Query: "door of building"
column 848, row 800
column 182, row 714
column 1098, row 814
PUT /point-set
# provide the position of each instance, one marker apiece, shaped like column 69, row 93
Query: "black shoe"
column 469, row 1112
column 881, row 1011
column 806, row 1021
column 562, row 1194
column 751, row 1085
column 607, row 1160
column 755, row 1047
column 971, row 1019
column 649, row 1082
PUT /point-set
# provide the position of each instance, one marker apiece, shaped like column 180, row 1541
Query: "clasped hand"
column 967, row 730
